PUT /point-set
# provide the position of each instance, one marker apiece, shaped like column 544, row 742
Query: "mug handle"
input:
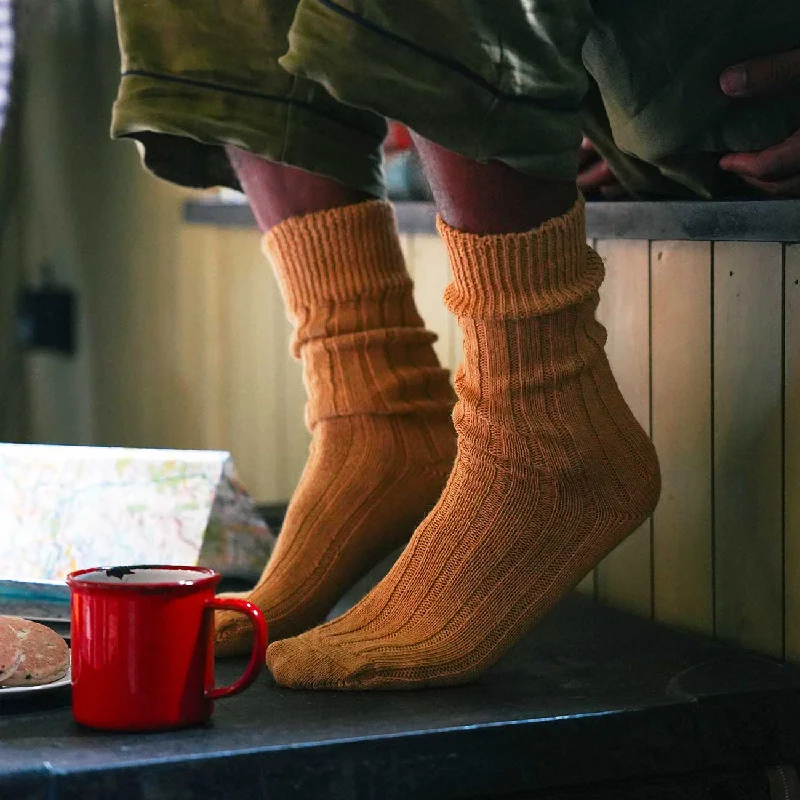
column 259, row 645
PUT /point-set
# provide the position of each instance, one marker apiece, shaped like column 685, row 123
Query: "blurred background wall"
column 182, row 338
column 85, row 208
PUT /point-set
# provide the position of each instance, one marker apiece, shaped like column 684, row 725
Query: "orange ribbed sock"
column 379, row 410
column 552, row 472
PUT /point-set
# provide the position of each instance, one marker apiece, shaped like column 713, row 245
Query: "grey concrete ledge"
column 735, row 220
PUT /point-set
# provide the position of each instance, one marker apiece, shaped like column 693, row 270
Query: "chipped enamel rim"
column 112, row 579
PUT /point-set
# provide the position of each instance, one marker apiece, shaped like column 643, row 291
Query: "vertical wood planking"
column 252, row 371
column 158, row 326
column 291, row 415
column 196, row 422
column 431, row 276
column 748, row 444
column 791, row 483
column 160, row 337
column 456, row 350
column 430, row 296
column 624, row 578
column 681, row 427
column 407, row 246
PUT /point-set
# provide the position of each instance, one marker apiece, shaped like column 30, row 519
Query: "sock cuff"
column 518, row 275
column 337, row 255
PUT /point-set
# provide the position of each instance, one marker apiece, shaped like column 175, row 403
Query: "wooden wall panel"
column 234, row 385
column 455, row 353
column 196, row 417
column 431, row 271
column 624, row 578
column 241, row 389
column 290, row 415
column 748, row 445
column 155, row 335
column 427, row 260
column 792, row 452
column 681, row 430
column 251, row 371
column 407, row 241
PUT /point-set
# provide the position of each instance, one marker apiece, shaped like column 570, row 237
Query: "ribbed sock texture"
column 552, row 472
column 379, row 409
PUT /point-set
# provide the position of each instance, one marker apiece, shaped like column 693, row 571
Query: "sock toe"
column 297, row 664
column 233, row 635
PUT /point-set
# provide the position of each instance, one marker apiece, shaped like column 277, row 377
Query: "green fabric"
column 200, row 75
column 308, row 82
column 657, row 67
column 486, row 79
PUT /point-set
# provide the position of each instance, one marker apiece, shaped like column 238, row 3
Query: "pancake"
column 10, row 651
column 43, row 656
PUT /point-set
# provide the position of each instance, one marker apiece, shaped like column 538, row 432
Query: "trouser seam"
column 451, row 64
column 286, row 120
column 290, row 101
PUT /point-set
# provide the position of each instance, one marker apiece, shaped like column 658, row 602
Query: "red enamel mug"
column 142, row 646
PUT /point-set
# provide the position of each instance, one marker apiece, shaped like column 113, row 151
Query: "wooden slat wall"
column 698, row 353
column 624, row 578
column 431, row 273
column 748, row 446
column 791, row 472
column 244, row 390
column 708, row 361
column 681, row 412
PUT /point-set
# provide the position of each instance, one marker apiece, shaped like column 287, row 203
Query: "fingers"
column 786, row 188
column 762, row 75
column 596, row 175
column 776, row 170
column 775, row 163
column 586, row 152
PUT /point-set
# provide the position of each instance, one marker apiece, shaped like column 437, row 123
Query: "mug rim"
column 210, row 577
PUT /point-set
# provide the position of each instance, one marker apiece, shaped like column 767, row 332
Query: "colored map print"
column 66, row 508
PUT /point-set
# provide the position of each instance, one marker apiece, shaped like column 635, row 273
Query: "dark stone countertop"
column 591, row 695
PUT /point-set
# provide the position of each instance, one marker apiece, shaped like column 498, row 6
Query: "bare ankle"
column 277, row 191
column 491, row 197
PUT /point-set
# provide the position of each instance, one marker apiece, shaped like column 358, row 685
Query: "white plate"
column 47, row 687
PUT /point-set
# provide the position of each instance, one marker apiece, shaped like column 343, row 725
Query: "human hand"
column 776, row 170
column 594, row 174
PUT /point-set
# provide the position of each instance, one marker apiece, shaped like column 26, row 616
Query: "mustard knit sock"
column 379, row 410
column 552, row 472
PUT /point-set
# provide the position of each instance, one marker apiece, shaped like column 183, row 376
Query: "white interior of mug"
column 145, row 575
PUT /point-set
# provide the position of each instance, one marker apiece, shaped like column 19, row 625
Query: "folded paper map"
column 65, row 508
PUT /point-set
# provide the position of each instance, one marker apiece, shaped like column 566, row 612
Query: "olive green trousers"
column 310, row 83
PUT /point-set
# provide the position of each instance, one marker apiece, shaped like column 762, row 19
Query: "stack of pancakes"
column 30, row 654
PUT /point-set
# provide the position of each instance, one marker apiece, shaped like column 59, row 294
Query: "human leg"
column 203, row 95
column 552, row 470
column 486, row 198
column 379, row 403
column 278, row 191
column 200, row 77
